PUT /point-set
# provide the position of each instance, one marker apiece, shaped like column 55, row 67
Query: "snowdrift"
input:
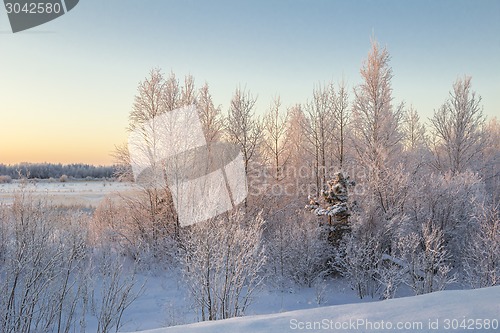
column 454, row 311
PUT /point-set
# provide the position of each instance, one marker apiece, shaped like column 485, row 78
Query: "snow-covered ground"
column 165, row 307
column 166, row 300
column 85, row 193
column 446, row 311
column 331, row 306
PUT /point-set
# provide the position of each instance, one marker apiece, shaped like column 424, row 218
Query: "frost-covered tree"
column 390, row 275
column 448, row 202
column 382, row 181
column 300, row 161
column 210, row 116
column 413, row 130
column 188, row 92
column 172, row 97
column 242, row 126
column 490, row 169
column 341, row 118
column 126, row 227
column 297, row 248
column 376, row 121
column 319, row 129
column 333, row 203
column 151, row 100
column 457, row 129
column 156, row 95
column 275, row 145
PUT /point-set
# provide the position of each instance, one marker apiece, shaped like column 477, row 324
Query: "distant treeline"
column 50, row 170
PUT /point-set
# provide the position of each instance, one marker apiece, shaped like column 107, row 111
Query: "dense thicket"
column 424, row 208
column 55, row 275
column 52, row 170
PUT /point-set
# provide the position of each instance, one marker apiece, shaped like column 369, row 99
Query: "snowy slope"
column 437, row 312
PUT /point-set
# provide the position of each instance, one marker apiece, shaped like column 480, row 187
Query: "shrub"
column 5, row 179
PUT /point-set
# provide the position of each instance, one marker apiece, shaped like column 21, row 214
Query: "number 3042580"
column 33, row 8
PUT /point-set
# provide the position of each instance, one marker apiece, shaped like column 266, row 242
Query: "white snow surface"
column 445, row 311
column 87, row 193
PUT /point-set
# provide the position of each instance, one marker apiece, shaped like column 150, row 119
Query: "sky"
column 67, row 86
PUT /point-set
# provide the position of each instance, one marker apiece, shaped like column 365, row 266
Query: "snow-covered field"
column 85, row 193
column 446, row 311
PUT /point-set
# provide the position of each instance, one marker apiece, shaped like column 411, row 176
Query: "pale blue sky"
column 66, row 87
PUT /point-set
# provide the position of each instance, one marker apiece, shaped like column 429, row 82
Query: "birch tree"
column 320, row 130
column 151, row 100
column 377, row 141
column 413, row 130
column 376, row 119
column 153, row 209
column 301, row 162
column 275, row 132
column 242, row 127
column 171, row 93
column 210, row 116
column 457, row 129
column 341, row 118
column 188, row 92
column 155, row 96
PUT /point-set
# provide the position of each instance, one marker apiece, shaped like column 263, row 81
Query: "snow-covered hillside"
column 447, row 311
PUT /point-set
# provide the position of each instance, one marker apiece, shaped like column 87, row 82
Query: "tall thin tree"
column 377, row 121
column 275, row 131
column 242, row 127
column 457, row 128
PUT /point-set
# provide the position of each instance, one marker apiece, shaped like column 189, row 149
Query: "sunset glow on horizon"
column 67, row 87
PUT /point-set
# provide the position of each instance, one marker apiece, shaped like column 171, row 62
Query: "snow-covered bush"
column 222, row 260
column 47, row 267
column 40, row 290
column 130, row 227
column 358, row 258
column 297, row 246
column 390, row 275
column 5, row 179
column 113, row 291
column 448, row 202
column 482, row 252
column 425, row 260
